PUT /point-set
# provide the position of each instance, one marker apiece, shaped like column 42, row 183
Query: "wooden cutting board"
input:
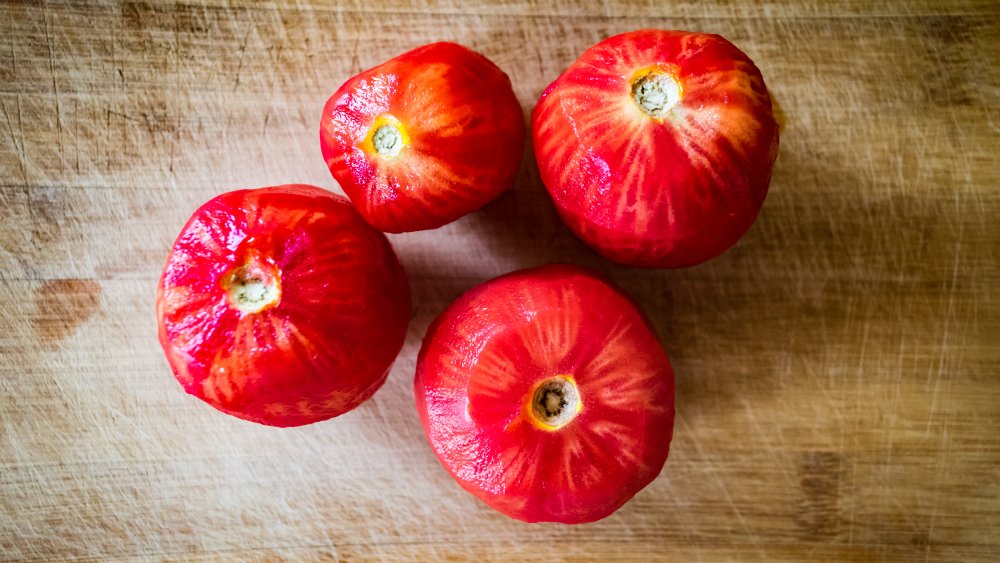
column 838, row 372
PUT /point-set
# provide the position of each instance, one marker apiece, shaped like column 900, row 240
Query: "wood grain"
column 838, row 371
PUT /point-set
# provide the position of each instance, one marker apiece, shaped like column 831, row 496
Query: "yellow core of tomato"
column 553, row 402
column 386, row 137
column 656, row 90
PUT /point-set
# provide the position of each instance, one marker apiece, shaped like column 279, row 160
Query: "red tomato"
column 281, row 306
column 657, row 146
column 424, row 138
column 546, row 395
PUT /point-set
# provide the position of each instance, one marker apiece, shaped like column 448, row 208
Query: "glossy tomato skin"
column 326, row 342
column 666, row 191
column 461, row 130
column 484, row 355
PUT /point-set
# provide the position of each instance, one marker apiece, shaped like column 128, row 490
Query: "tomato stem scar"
column 555, row 402
column 388, row 140
column 252, row 289
column 386, row 137
column 656, row 93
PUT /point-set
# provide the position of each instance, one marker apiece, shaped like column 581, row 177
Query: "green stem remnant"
column 388, row 140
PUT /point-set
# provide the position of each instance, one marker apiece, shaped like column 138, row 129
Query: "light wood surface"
column 838, row 372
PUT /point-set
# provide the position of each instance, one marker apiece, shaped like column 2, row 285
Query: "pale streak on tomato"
column 548, row 342
column 502, row 340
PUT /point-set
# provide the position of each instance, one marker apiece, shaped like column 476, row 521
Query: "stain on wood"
column 64, row 305
column 837, row 371
column 820, row 482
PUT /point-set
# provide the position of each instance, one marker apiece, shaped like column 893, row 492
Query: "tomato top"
column 545, row 393
column 424, row 138
column 280, row 305
column 657, row 146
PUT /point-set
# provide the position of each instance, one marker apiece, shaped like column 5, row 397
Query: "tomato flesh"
column 425, row 138
column 281, row 306
column 657, row 146
column 546, row 394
